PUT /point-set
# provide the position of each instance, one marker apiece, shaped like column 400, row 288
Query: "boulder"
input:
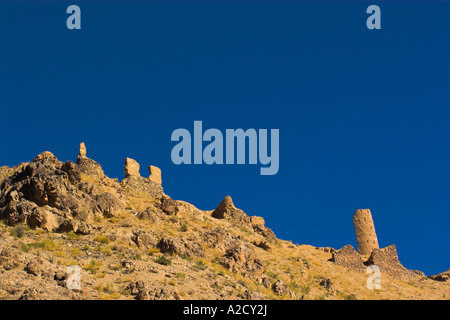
column 220, row 239
column 167, row 205
column 255, row 220
column 18, row 211
column 280, row 288
column 34, row 267
column 11, row 258
column 76, row 226
column 43, row 217
column 326, row 283
column 143, row 239
column 170, row 245
column 151, row 214
column 242, row 259
column 265, row 232
column 139, row 290
column 181, row 247
column 108, row 204
column 73, row 172
column 262, row 244
column 163, row 294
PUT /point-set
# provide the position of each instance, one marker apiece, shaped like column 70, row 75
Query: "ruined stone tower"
column 365, row 231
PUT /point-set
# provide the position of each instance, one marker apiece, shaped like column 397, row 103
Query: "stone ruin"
column 369, row 252
column 365, row 232
column 348, row 258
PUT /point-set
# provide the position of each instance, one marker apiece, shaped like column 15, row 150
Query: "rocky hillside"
column 132, row 241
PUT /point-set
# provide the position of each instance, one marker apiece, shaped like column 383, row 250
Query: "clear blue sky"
column 364, row 116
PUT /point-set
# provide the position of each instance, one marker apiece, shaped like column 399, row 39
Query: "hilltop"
column 132, row 241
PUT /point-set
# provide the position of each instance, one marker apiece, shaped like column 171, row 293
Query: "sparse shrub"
column 73, row 236
column 117, row 267
column 46, row 244
column 110, row 291
column 136, row 256
column 351, row 297
column 272, row 275
column 294, row 286
column 305, row 289
column 104, row 249
column 76, row 252
column 216, row 260
column 180, row 275
column 18, row 231
column 173, row 219
column 163, row 260
column 217, row 286
column 184, row 227
column 102, row 239
column 200, row 265
column 49, row 245
column 172, row 283
column 93, row 266
column 185, row 257
column 152, row 251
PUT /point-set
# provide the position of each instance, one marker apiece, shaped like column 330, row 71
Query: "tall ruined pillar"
column 365, row 231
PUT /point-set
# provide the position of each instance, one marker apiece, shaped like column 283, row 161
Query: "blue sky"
column 364, row 115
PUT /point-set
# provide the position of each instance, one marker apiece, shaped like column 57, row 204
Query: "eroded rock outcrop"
column 47, row 193
column 144, row 240
column 87, row 165
column 280, row 288
column 155, row 174
column 131, row 168
column 167, row 205
column 443, row 276
column 242, row 259
column 138, row 185
column 220, row 239
column 227, row 210
column 181, row 247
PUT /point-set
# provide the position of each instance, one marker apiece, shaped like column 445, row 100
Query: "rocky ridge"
column 132, row 241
